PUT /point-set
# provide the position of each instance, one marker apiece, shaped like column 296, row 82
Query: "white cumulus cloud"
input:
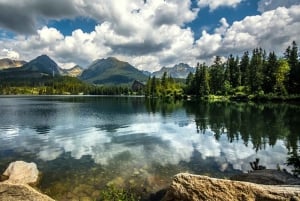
column 272, row 30
column 214, row 4
column 11, row 54
column 148, row 34
column 266, row 5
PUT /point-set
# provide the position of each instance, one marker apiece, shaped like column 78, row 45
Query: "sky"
column 149, row 34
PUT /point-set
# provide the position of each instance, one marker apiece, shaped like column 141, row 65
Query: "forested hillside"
column 258, row 74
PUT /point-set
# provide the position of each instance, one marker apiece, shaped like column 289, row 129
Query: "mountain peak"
column 111, row 71
column 44, row 58
column 112, row 59
column 43, row 64
column 180, row 70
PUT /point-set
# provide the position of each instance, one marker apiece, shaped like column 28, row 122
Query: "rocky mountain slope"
column 111, row 71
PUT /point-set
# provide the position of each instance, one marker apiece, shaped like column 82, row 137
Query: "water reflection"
column 262, row 124
column 42, row 129
column 126, row 137
column 224, row 130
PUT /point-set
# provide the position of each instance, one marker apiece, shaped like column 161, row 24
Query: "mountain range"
column 178, row 71
column 42, row 64
column 102, row 71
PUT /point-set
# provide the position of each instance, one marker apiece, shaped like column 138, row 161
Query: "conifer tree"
column 164, row 80
column 216, row 73
column 153, row 88
column 197, row 80
column 204, row 81
column 294, row 76
column 269, row 73
column 189, row 82
column 244, row 68
column 256, row 63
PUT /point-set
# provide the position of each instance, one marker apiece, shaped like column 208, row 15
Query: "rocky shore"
column 20, row 176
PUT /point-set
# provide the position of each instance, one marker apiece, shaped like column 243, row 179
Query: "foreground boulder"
column 188, row 187
column 20, row 192
column 20, row 172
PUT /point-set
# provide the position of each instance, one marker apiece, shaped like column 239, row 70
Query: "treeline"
column 112, row 90
column 45, row 85
column 58, row 85
column 257, row 74
column 165, row 87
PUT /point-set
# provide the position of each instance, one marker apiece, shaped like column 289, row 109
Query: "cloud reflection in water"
column 162, row 143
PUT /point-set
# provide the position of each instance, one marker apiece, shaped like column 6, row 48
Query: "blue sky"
column 67, row 26
column 210, row 20
column 147, row 33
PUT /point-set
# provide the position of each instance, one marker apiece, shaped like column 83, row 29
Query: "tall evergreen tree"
column 244, row 68
column 204, row 81
column 188, row 82
column 256, row 76
column 189, row 78
column 238, row 75
column 164, row 80
column 233, row 71
column 231, row 67
column 216, row 73
column 197, row 80
column 148, row 87
column 269, row 73
column 294, row 76
column 153, row 88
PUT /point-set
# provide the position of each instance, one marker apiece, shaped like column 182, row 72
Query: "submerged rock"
column 118, row 182
column 188, row 187
column 20, row 172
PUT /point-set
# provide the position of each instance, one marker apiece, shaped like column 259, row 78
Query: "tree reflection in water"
column 261, row 124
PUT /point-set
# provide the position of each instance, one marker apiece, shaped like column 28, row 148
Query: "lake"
column 83, row 144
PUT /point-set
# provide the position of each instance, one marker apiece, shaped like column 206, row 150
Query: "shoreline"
column 185, row 186
column 209, row 98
